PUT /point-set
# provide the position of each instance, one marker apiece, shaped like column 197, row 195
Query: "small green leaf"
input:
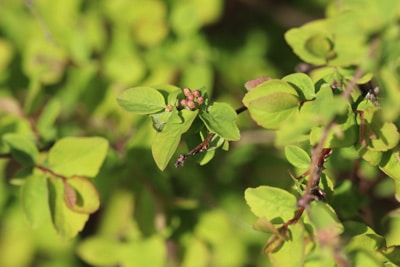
column 266, row 88
column 166, row 142
column 273, row 110
column 271, row 103
column 81, row 195
column 297, row 157
column 82, row 156
column 390, row 163
column 323, row 217
column 22, row 148
column 325, row 106
column 271, row 202
column 220, row 118
column 66, row 222
column 302, row 83
column 142, row 100
column 343, row 134
column 371, row 156
column 292, row 252
column 362, row 237
column 101, row 251
column 45, row 124
column 380, row 135
column 34, row 199
column 320, row 46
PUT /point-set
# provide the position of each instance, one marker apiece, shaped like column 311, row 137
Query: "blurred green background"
column 62, row 65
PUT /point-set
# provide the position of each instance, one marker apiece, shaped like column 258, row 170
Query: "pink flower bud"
column 196, row 93
column 187, row 91
column 200, row 100
column 184, row 102
column 190, row 97
column 191, row 104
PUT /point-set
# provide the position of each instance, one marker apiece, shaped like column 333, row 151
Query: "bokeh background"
column 62, row 65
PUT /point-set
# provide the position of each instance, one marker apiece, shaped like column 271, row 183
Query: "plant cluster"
column 335, row 122
column 335, row 106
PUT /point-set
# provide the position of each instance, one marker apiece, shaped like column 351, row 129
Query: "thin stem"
column 47, row 170
column 203, row 146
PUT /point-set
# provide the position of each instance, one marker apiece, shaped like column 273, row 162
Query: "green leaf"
column 266, row 88
column 390, row 163
column 273, row 110
column 292, row 252
column 66, row 222
column 81, row 156
column 100, row 251
column 275, row 204
column 325, row 106
column 220, row 118
column 81, row 195
column 302, row 83
column 271, row 103
column 392, row 228
column 323, row 217
column 297, row 157
column 362, row 237
column 343, row 134
column 142, row 100
column 298, row 37
column 34, row 199
column 380, row 135
column 166, row 142
column 45, row 124
column 22, row 148
column 320, row 46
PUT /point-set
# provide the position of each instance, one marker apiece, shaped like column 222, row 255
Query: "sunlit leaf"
column 166, row 142
column 142, row 100
column 220, row 118
column 34, row 199
column 100, row 251
column 81, row 156
column 292, row 252
column 271, row 202
column 390, row 163
column 324, row 217
column 22, row 148
column 302, row 83
column 66, row 222
column 81, row 195
column 297, row 157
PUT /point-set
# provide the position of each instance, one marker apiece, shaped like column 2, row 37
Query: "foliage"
column 86, row 172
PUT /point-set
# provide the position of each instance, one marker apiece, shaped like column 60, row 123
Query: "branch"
column 203, row 146
column 318, row 151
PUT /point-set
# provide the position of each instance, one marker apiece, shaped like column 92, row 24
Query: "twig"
column 318, row 150
column 203, row 146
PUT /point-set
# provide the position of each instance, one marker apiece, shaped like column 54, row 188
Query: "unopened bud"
column 200, row 100
column 196, row 93
column 184, row 102
column 169, row 108
column 191, row 104
column 187, row 91
column 190, row 97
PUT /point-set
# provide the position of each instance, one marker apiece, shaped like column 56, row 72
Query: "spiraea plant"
column 344, row 99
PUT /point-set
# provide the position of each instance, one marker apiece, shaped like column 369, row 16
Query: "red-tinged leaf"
column 70, row 196
column 81, row 195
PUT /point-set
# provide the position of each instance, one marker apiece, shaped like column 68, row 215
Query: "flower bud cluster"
column 192, row 100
